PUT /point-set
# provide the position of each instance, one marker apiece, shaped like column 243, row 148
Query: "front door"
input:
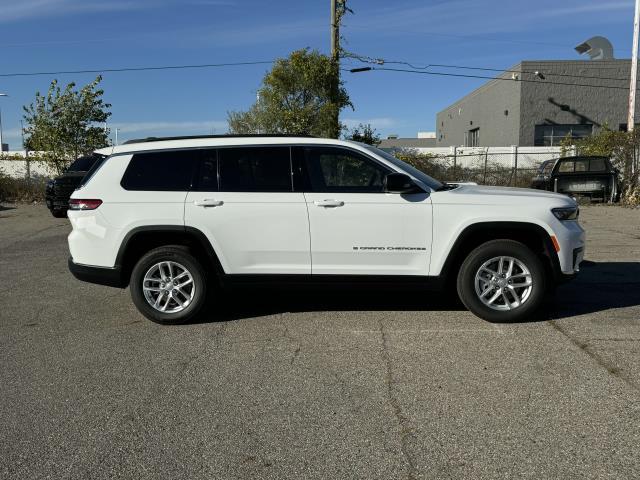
column 243, row 201
column 357, row 228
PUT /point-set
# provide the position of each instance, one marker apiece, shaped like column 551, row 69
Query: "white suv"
column 169, row 216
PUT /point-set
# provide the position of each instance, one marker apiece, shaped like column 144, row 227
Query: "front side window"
column 167, row 171
column 255, row 169
column 333, row 169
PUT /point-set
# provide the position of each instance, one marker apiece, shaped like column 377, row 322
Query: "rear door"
column 243, row 201
column 356, row 228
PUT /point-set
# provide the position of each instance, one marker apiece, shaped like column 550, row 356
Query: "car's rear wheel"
column 168, row 285
column 502, row 281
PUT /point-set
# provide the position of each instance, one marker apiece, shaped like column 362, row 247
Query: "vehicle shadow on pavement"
column 255, row 302
column 599, row 286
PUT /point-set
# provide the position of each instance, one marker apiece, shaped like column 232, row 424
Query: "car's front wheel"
column 168, row 285
column 502, row 281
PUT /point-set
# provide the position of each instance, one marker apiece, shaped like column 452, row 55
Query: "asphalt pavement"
column 316, row 384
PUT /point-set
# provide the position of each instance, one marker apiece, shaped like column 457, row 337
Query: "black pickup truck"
column 592, row 177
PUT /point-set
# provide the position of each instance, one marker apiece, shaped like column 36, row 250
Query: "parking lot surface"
column 316, row 384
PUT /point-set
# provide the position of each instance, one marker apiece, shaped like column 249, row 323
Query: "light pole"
column 1, row 144
column 634, row 70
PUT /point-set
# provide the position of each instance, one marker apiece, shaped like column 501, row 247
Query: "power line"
column 382, row 61
column 496, row 78
column 137, row 69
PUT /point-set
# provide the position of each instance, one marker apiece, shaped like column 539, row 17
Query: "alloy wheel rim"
column 503, row 283
column 168, row 287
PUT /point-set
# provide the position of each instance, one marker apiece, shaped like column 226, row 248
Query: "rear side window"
column 255, row 169
column 207, row 178
column 582, row 166
column 160, row 171
column 598, row 165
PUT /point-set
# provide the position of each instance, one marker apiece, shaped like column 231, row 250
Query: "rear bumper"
column 111, row 277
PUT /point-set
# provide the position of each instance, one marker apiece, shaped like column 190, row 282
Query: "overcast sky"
column 53, row 35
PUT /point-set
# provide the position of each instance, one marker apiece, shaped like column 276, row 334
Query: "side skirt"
column 399, row 282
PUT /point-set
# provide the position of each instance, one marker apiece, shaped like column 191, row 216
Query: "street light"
column 1, row 144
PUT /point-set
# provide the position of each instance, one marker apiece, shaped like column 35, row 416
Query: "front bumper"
column 571, row 239
column 111, row 277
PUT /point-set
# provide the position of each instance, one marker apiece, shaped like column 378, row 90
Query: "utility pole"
column 634, row 70
column 335, row 61
column 335, row 31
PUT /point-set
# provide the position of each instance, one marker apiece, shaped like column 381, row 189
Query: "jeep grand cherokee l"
column 171, row 218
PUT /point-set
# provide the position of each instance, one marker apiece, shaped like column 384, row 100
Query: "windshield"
column 423, row 177
column 83, row 164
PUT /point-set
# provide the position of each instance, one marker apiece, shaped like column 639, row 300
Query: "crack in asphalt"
column 405, row 429
column 584, row 346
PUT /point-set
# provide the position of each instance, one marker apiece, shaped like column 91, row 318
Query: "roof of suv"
column 165, row 143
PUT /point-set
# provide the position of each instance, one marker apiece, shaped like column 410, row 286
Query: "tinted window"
column 207, row 180
column 598, row 165
column 411, row 170
column 99, row 160
column 582, row 165
column 341, row 170
column 255, row 169
column 83, row 164
column 565, row 167
column 547, row 167
column 160, row 171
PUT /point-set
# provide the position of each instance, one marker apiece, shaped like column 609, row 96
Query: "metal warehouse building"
column 538, row 103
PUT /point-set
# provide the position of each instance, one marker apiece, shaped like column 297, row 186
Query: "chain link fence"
column 500, row 166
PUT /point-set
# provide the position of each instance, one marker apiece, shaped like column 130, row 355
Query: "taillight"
column 77, row 204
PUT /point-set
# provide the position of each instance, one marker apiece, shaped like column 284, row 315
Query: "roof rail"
column 195, row 137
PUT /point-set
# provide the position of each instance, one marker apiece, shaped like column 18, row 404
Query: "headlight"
column 566, row 213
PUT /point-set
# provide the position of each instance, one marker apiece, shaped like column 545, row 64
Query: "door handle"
column 329, row 203
column 208, row 202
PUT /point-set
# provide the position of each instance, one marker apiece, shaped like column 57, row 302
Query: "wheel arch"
column 530, row 234
column 141, row 240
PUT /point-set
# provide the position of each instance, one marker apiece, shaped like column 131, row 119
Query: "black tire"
column 59, row 212
column 496, row 248
column 182, row 256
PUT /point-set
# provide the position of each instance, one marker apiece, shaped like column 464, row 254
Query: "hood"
column 510, row 191
column 481, row 194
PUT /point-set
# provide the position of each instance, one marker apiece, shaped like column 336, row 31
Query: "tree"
column 365, row 134
column 295, row 98
column 66, row 123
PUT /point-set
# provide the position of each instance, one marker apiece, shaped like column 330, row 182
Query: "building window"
column 472, row 138
column 552, row 135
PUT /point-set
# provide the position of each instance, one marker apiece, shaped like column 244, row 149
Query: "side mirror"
column 400, row 183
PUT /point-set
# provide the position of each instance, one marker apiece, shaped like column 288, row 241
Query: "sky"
column 57, row 35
